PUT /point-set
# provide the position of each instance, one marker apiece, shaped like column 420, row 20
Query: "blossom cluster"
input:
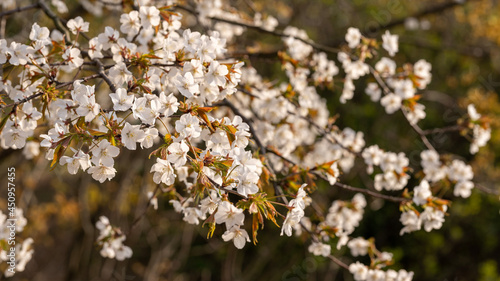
column 111, row 240
column 228, row 145
column 481, row 131
column 393, row 166
column 429, row 211
column 23, row 252
column 362, row 272
column 343, row 217
column 295, row 215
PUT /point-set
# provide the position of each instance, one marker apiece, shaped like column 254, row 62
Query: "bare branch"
column 138, row 218
column 104, row 76
column 55, row 19
column 39, row 94
column 455, row 128
column 18, row 9
column 436, row 9
column 371, row 193
column 415, row 127
column 277, row 33
column 339, row 262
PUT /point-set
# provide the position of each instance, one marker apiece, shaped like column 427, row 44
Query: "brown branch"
column 371, row 193
column 415, row 127
column 487, row 190
column 348, row 187
column 138, row 218
column 111, row 3
column 218, row 186
column 277, row 189
column 276, row 33
column 237, row 112
column 19, row 9
column 61, row 85
column 104, row 76
column 420, row 132
column 339, row 262
column 420, row 14
column 55, row 19
column 443, row 130
column 328, row 136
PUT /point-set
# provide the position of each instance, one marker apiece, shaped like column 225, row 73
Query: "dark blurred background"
column 462, row 43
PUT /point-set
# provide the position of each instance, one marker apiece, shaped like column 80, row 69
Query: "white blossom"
column 163, row 172
column 230, row 215
column 390, row 43
column 238, row 235
column 353, row 37
column 77, row 25
column 319, row 249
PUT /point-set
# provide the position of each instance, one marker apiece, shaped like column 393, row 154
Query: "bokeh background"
column 462, row 43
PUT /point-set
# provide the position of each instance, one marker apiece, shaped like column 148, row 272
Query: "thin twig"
column 436, row 9
column 39, row 94
column 277, row 33
column 371, row 193
column 55, row 19
column 329, row 137
column 277, row 189
column 105, row 76
column 237, row 112
column 487, row 190
column 18, row 9
column 415, row 127
column 138, row 218
column 218, row 186
column 454, row 128
column 348, row 187
column 339, row 262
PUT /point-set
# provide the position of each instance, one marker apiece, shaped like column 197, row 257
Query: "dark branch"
column 420, row 14
column 443, row 130
column 276, row 33
column 18, row 9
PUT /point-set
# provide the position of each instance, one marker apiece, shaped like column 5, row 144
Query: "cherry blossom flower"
column 432, row 218
column 131, row 135
column 77, row 161
column 111, row 240
column 72, row 56
column 77, row 25
column 188, row 126
column 104, row 153
column 150, row 135
column 391, row 102
column 122, row 101
column 19, row 53
column 102, row 173
column 187, row 86
column 390, row 43
column 150, row 16
column 230, row 215
column 353, row 37
column 463, row 189
column 130, row 23
column 108, row 38
column 177, row 153
column 169, row 104
column 319, row 249
column 359, row 270
column 163, row 172
column 40, row 34
column 421, row 193
column 238, row 235
column 358, row 246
